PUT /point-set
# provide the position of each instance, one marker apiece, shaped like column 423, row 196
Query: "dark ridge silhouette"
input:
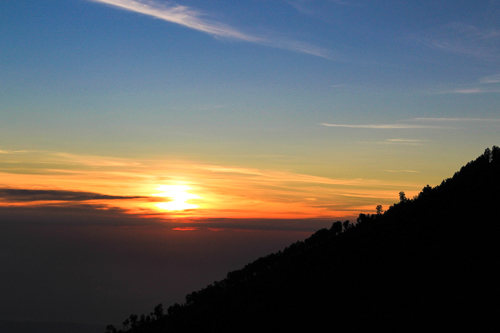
column 426, row 263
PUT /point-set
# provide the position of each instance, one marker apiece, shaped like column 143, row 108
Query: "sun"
column 179, row 198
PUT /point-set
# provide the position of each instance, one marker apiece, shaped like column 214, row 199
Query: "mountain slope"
column 431, row 260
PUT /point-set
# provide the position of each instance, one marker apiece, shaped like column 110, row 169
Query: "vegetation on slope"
column 426, row 260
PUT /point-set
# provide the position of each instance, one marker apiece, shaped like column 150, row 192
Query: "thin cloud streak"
column 95, row 161
column 296, row 46
column 475, row 91
column 9, row 152
column 344, row 3
column 307, row 7
column 469, row 91
column 465, row 39
column 385, row 126
column 181, row 15
column 456, row 119
column 405, row 140
column 490, row 79
column 270, row 177
column 191, row 18
column 484, row 85
column 401, row 142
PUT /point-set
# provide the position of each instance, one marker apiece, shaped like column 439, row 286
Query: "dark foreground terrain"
column 428, row 262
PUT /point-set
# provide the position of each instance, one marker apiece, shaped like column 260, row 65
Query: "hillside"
column 426, row 261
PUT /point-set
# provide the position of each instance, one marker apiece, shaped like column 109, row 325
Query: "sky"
column 187, row 138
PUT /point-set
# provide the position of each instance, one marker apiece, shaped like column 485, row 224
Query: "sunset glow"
column 177, row 133
column 197, row 190
column 179, row 198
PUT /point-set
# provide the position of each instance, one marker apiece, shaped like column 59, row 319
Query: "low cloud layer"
column 25, row 195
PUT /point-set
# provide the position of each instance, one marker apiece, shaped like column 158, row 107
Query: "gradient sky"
column 265, row 116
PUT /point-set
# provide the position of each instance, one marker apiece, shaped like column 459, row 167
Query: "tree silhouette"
column 158, row 311
column 336, row 227
column 126, row 324
column 346, row 225
column 111, row 329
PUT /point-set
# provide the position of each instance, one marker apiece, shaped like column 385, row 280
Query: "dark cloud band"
column 24, row 195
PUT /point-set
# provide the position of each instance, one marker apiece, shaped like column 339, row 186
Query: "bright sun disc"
column 179, row 196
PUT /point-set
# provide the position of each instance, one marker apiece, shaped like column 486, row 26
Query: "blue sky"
column 284, row 65
column 263, row 109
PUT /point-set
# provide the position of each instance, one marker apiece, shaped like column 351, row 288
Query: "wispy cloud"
column 301, row 6
column 402, row 142
column 485, row 84
column 181, row 15
column 490, row 79
column 471, row 31
column 345, row 3
column 465, row 39
column 384, row 126
column 197, row 20
column 405, row 140
column 307, row 6
column 296, row 46
column 466, row 91
column 281, row 177
column 10, row 152
column 91, row 160
column 457, row 119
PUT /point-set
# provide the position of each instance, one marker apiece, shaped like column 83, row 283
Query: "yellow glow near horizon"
column 198, row 190
column 179, row 196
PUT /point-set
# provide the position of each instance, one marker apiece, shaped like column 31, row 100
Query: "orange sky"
column 182, row 188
